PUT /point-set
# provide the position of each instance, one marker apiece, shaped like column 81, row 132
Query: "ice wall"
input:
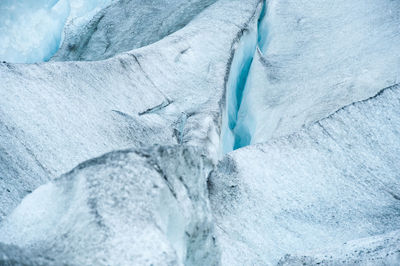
column 233, row 134
column 239, row 69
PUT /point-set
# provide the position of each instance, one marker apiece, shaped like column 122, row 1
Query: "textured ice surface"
column 334, row 181
column 11, row 255
column 315, row 57
column 126, row 25
column 376, row 250
column 62, row 113
column 132, row 207
column 323, row 188
column 31, row 31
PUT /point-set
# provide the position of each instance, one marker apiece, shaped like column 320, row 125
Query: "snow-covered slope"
column 334, row 181
column 63, row 113
column 125, row 25
column 133, row 207
column 315, row 57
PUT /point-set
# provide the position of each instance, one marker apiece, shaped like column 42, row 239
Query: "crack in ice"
column 254, row 36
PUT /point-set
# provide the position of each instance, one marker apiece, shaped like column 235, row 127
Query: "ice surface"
column 376, row 250
column 334, row 181
column 31, row 31
column 11, row 255
column 132, row 207
column 62, row 113
column 126, row 25
column 315, row 57
column 315, row 81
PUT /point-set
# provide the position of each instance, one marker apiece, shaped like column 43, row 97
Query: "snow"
column 32, row 31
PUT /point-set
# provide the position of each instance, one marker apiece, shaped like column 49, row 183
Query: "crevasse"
column 235, row 133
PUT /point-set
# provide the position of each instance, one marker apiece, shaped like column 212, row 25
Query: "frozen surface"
column 375, row 250
column 315, row 57
column 31, row 31
column 11, row 255
column 313, row 85
column 132, row 207
column 62, row 113
column 127, row 24
column 334, row 181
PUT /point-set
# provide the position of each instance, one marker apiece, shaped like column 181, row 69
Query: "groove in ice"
column 254, row 36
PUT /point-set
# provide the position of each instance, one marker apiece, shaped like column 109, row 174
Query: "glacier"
column 202, row 132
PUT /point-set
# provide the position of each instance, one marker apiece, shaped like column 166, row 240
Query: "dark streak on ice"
column 157, row 107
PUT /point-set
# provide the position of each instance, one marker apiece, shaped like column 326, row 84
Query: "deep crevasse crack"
column 235, row 135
